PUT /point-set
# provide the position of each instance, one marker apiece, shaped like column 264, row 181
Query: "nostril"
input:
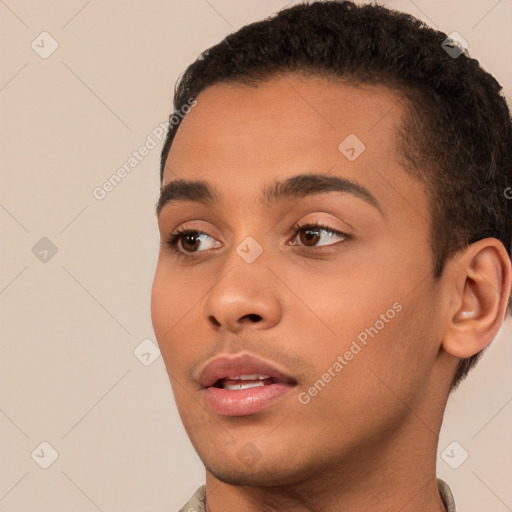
column 214, row 321
column 253, row 317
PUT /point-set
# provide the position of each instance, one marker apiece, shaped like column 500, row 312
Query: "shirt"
column 198, row 502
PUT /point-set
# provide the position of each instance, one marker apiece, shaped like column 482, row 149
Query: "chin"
column 251, row 477
column 238, row 478
column 263, row 473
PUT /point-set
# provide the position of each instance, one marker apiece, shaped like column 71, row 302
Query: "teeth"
column 244, row 381
column 236, row 387
column 255, row 376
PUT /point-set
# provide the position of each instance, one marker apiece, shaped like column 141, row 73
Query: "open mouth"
column 242, row 385
column 245, row 382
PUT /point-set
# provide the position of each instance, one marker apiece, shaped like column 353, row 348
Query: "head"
column 414, row 278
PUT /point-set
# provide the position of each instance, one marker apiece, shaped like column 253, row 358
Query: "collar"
column 198, row 502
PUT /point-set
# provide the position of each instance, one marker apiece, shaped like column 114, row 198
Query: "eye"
column 184, row 242
column 310, row 234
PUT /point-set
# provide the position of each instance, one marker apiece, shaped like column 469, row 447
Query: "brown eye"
column 309, row 237
column 311, row 234
column 187, row 242
column 190, row 241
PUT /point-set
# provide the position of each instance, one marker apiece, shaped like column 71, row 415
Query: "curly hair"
column 456, row 136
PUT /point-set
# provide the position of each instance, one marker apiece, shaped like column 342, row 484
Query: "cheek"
column 175, row 299
column 342, row 301
column 370, row 319
column 172, row 298
column 166, row 310
column 160, row 304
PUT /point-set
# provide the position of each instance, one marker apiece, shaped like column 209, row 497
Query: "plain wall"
column 70, row 324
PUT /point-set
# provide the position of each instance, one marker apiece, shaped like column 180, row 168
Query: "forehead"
column 292, row 117
column 238, row 137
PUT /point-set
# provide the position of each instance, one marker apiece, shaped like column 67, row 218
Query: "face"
column 297, row 314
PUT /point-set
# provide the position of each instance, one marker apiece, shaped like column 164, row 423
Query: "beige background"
column 70, row 324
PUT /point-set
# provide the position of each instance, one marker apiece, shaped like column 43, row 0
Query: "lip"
column 244, row 401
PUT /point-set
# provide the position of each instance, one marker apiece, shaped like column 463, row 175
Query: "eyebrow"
column 295, row 187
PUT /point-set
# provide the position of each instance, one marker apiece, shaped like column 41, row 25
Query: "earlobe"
column 481, row 281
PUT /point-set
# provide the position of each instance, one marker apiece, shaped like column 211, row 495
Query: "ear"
column 480, row 281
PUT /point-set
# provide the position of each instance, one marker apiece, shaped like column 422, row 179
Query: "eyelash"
column 171, row 243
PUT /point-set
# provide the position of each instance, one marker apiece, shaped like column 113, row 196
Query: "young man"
column 335, row 256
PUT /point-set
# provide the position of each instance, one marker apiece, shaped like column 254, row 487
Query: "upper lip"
column 229, row 366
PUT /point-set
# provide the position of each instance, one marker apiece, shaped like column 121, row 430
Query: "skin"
column 368, row 439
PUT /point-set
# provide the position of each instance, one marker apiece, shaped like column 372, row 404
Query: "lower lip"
column 244, row 401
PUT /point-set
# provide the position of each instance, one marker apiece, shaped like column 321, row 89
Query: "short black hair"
column 456, row 136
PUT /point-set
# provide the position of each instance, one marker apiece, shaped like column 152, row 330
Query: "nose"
column 244, row 298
